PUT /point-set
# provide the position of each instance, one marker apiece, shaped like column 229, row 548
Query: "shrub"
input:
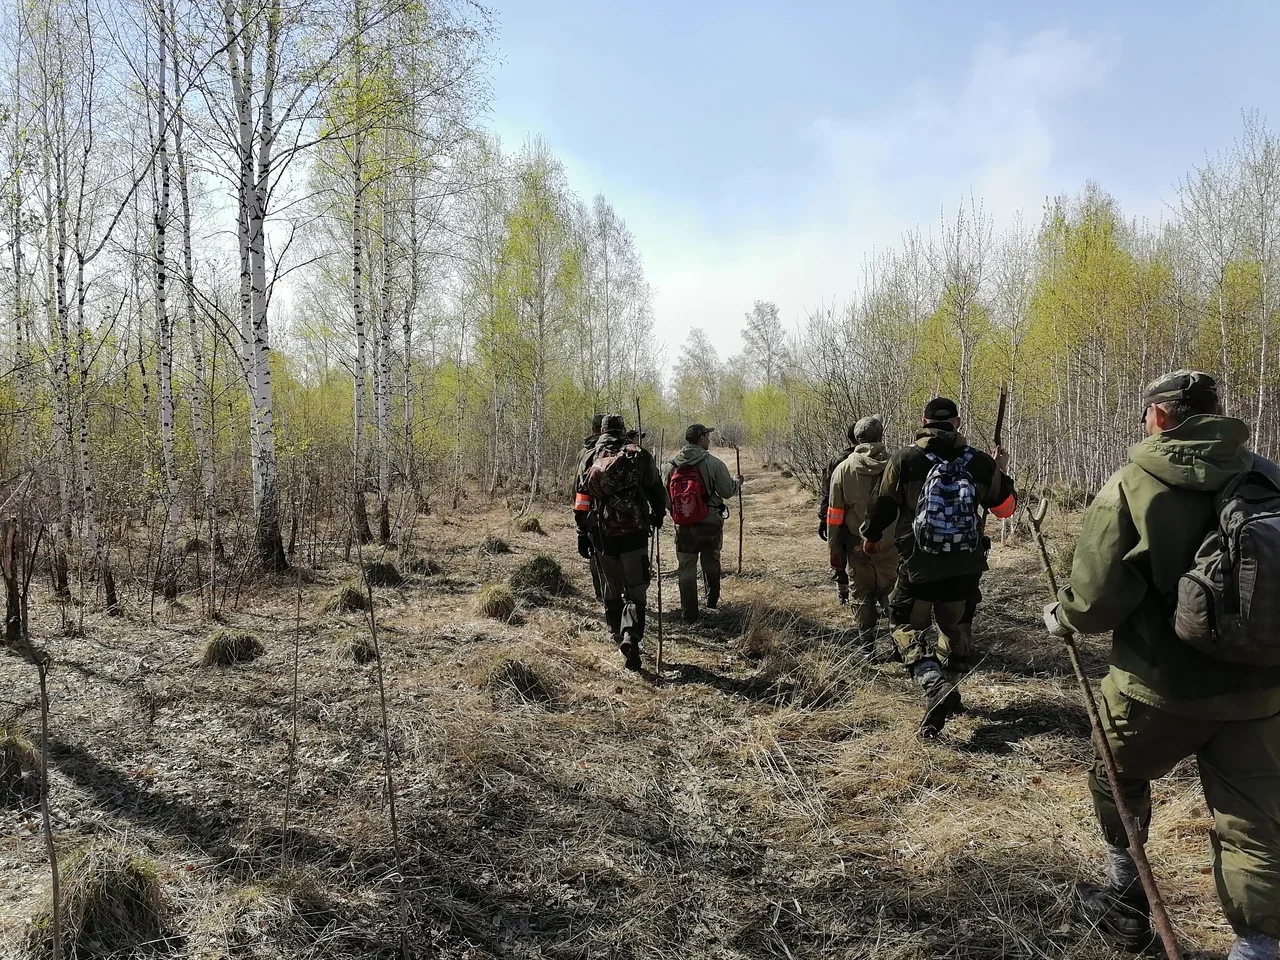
column 226, row 648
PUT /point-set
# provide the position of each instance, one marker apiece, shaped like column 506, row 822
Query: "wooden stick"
column 737, row 455
column 1159, row 916
column 657, row 548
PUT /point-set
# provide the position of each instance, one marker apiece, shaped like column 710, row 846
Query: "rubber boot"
column 1122, row 915
column 941, row 698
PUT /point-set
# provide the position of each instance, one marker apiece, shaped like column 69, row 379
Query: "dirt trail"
column 765, row 797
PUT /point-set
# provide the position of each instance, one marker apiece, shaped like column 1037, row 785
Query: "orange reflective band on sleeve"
column 581, row 502
column 835, row 516
column 1005, row 510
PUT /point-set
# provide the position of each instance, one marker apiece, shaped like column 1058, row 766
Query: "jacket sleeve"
column 655, row 489
column 722, row 483
column 885, row 507
column 836, row 501
column 1106, row 586
column 1000, row 497
column 825, row 492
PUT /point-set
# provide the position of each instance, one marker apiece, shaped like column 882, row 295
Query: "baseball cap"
column 1194, row 385
column 941, row 408
column 613, row 423
column 695, row 432
column 869, row 427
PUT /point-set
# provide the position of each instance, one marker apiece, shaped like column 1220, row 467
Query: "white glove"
column 1052, row 623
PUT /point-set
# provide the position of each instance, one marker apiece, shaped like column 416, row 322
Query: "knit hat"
column 867, row 430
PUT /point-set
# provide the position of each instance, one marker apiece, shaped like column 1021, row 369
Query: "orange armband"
column 581, row 503
column 1005, row 510
column 835, row 517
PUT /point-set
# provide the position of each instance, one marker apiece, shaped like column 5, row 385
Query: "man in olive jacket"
column 623, row 559
column 855, row 482
column 701, row 542
column 932, row 584
column 838, row 551
column 584, row 461
column 1162, row 700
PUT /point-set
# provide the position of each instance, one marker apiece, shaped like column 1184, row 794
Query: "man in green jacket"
column 943, row 552
column 855, row 482
column 584, row 460
column 837, row 551
column 701, row 541
column 1162, row 700
column 615, row 529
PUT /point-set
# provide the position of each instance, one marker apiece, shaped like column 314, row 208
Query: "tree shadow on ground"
column 1017, row 722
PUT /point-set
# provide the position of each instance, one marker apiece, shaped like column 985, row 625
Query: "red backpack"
column 688, row 495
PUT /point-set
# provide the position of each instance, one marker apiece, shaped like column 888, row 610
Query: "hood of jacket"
column 1201, row 453
column 940, row 440
column 690, row 454
column 590, row 442
column 869, row 459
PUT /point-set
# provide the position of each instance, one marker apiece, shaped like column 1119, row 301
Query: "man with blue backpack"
column 943, row 485
column 1179, row 558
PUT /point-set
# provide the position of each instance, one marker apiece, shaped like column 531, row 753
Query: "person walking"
column 584, row 458
column 940, row 483
column 855, row 482
column 1162, row 699
column 698, row 484
column 619, row 502
column 838, row 550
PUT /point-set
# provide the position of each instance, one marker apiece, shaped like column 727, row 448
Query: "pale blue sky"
column 761, row 150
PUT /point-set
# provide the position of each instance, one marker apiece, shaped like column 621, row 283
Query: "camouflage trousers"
column 951, row 603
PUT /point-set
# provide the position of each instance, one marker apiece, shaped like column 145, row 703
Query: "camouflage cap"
column 1194, row 385
column 869, row 429
column 696, row 431
column 613, row 423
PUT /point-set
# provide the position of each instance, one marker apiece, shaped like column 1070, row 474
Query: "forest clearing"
column 765, row 796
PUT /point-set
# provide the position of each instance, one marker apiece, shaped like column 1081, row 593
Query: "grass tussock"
column 379, row 573
column 195, row 545
column 492, row 545
column 19, row 770
column 420, row 566
column 226, row 648
column 540, row 577
column 362, row 649
column 518, row 680
column 496, row 601
column 529, row 524
column 348, row 598
column 112, row 905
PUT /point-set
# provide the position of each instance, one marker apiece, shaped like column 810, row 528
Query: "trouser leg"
column 954, row 636
column 910, row 619
column 687, row 574
column 864, row 598
column 635, row 586
column 597, row 581
column 614, row 587
column 710, row 558
column 1240, row 770
column 837, row 542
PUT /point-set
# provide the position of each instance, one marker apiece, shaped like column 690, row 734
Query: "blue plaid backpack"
column 946, row 518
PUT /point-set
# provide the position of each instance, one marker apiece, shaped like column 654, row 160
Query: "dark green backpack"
column 1229, row 601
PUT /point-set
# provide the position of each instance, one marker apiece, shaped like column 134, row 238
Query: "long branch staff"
column 1159, row 917
column 657, row 541
column 737, row 462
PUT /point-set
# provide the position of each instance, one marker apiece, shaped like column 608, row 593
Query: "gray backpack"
column 1229, row 601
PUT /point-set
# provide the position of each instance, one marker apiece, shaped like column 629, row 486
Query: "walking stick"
column 1159, row 916
column 657, row 541
column 737, row 459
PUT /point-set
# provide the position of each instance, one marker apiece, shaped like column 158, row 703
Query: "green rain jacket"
column 715, row 477
column 1140, row 535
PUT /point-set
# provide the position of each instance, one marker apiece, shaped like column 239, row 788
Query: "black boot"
column 1122, row 915
column 630, row 648
column 941, row 699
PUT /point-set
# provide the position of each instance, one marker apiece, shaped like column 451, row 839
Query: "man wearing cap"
column 1162, row 700
column 701, row 541
column 837, row 549
column 584, row 460
column 854, row 484
column 623, row 558
column 936, row 582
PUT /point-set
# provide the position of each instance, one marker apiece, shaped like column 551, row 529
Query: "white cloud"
column 873, row 178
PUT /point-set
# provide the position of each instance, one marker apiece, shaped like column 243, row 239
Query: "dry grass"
column 379, row 573
column 348, row 598
column 19, row 770
column 112, row 905
column 226, row 648
column 540, row 578
column 529, row 524
column 493, row 545
column 496, row 601
column 766, row 796
column 421, row 566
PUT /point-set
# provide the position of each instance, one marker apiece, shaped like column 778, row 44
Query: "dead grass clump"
column 379, row 573
column 290, row 910
column 421, row 566
column 492, row 545
column 519, row 681
column 19, row 771
column 226, row 648
column 347, row 599
column 195, row 545
column 112, row 905
column 362, row 650
column 496, row 601
column 529, row 524
column 539, row 577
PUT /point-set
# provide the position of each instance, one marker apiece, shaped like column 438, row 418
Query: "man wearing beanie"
column 936, row 487
column 701, row 542
column 854, row 484
column 838, row 549
column 1162, row 699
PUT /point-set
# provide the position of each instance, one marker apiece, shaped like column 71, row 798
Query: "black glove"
column 822, row 530
column 655, row 520
column 584, row 546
